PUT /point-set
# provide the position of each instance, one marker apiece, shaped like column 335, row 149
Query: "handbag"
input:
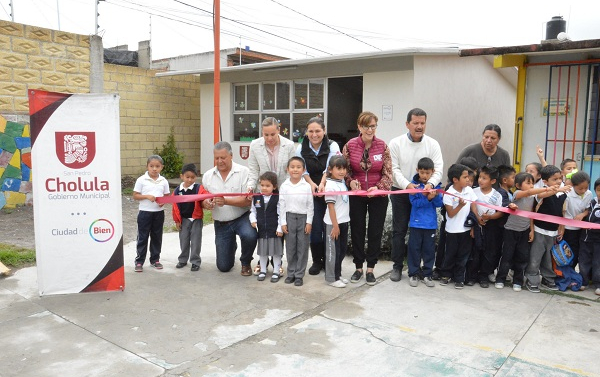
column 562, row 253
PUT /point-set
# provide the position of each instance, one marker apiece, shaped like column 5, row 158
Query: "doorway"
column 344, row 104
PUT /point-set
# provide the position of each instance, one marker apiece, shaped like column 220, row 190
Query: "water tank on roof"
column 555, row 26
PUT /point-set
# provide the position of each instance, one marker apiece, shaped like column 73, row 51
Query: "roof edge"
column 553, row 45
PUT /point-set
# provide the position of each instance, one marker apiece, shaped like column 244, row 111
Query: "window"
column 255, row 102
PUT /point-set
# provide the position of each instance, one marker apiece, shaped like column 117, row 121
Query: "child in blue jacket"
column 423, row 224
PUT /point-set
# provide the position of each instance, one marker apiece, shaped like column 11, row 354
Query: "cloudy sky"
column 310, row 28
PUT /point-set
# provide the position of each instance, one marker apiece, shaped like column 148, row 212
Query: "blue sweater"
column 423, row 214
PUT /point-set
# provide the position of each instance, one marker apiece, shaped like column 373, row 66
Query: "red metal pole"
column 217, row 83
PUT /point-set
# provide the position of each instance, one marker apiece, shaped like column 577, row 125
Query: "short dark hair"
column 548, row 171
column 493, row 127
column 504, row 171
column 537, row 165
column 579, row 178
column 455, row 171
column 296, row 158
column 490, row 171
column 337, row 162
column 596, row 184
column 566, row 161
column 425, row 163
column 317, row 120
column 190, row 168
column 522, row 177
column 416, row 112
column 269, row 176
column 470, row 162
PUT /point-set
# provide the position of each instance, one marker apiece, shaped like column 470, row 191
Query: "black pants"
column 458, row 247
column 150, row 224
column 400, row 217
column 441, row 246
column 376, row 207
column 572, row 238
column 515, row 255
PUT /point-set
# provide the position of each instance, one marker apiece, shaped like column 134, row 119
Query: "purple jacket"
column 380, row 171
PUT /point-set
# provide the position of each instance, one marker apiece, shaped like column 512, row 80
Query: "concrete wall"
column 461, row 96
column 149, row 107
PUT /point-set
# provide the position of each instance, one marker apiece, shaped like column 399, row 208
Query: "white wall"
column 534, row 131
column 207, row 123
column 461, row 96
column 389, row 88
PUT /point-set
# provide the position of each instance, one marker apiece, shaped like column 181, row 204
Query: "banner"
column 77, row 192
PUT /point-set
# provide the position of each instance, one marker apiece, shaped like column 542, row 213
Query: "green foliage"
column 13, row 256
column 171, row 156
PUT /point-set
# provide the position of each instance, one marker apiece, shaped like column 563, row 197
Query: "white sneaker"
column 414, row 281
column 429, row 282
column 499, row 285
column 338, row 284
column 516, row 288
column 492, row 278
column 597, row 291
column 345, row 281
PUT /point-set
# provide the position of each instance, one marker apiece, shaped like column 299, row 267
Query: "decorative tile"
column 25, row 173
column 14, row 198
column 12, row 172
column 26, row 158
column 2, row 200
column 7, row 143
column 5, row 158
column 26, row 131
column 11, row 184
column 23, row 142
column 25, row 187
column 14, row 129
column 16, row 159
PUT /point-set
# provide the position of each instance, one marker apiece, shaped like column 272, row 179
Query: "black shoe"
column 289, row 280
column 356, row 276
column 274, row 278
column 549, row 285
column 470, row 283
column 180, row 265
column 484, row 284
column 298, row 282
column 195, row 267
column 370, row 278
column 396, row 274
column 444, row 280
column 315, row 269
column 436, row 275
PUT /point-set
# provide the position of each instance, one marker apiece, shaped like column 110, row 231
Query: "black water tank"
column 555, row 26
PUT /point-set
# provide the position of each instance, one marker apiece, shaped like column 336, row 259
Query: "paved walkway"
column 178, row 323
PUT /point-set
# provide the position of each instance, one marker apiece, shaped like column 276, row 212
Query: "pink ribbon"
column 530, row 215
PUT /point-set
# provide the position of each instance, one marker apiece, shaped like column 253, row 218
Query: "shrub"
column 171, row 156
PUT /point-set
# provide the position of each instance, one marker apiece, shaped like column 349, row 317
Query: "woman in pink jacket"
column 370, row 168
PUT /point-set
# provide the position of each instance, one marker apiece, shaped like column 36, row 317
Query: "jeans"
column 225, row 232
column 317, row 233
column 400, row 217
column 376, row 207
column 421, row 246
column 150, row 224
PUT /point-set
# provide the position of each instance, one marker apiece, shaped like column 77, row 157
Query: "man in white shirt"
column 230, row 213
column 406, row 151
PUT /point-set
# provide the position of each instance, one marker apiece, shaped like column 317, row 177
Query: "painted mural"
column 15, row 164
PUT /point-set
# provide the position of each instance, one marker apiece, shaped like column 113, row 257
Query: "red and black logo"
column 75, row 150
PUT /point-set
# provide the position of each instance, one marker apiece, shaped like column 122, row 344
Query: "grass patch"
column 127, row 191
column 16, row 257
column 207, row 219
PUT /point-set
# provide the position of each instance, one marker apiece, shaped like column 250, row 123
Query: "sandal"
column 274, row 278
column 261, row 276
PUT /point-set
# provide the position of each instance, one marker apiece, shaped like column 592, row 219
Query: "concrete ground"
column 207, row 323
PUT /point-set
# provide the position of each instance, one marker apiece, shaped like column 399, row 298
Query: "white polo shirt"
column 456, row 224
column 236, row 182
column 145, row 185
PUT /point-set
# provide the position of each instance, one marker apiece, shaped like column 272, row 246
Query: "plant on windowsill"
column 171, row 156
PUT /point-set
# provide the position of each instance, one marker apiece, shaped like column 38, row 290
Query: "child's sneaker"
column 157, row 265
column 549, row 285
column 444, row 281
column 338, row 284
column 582, row 288
column 532, row 288
column 413, row 281
column 516, row 288
column 138, row 267
column 345, row 281
column 499, row 285
column 492, row 278
column 459, row 285
column 429, row 282
column 597, row 292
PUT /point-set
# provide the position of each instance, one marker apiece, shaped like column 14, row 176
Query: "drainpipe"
column 518, row 61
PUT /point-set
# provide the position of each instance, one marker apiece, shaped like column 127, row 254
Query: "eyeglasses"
column 371, row 127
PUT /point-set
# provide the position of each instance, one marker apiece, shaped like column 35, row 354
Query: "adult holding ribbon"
column 316, row 150
column 271, row 152
column 406, row 151
column 230, row 213
column 487, row 152
column 369, row 168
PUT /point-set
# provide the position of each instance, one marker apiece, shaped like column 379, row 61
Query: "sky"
column 309, row 28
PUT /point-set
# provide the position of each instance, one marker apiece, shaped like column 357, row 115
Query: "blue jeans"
column 225, row 232
column 421, row 246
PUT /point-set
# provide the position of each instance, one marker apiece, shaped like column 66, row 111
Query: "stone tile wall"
column 15, row 164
